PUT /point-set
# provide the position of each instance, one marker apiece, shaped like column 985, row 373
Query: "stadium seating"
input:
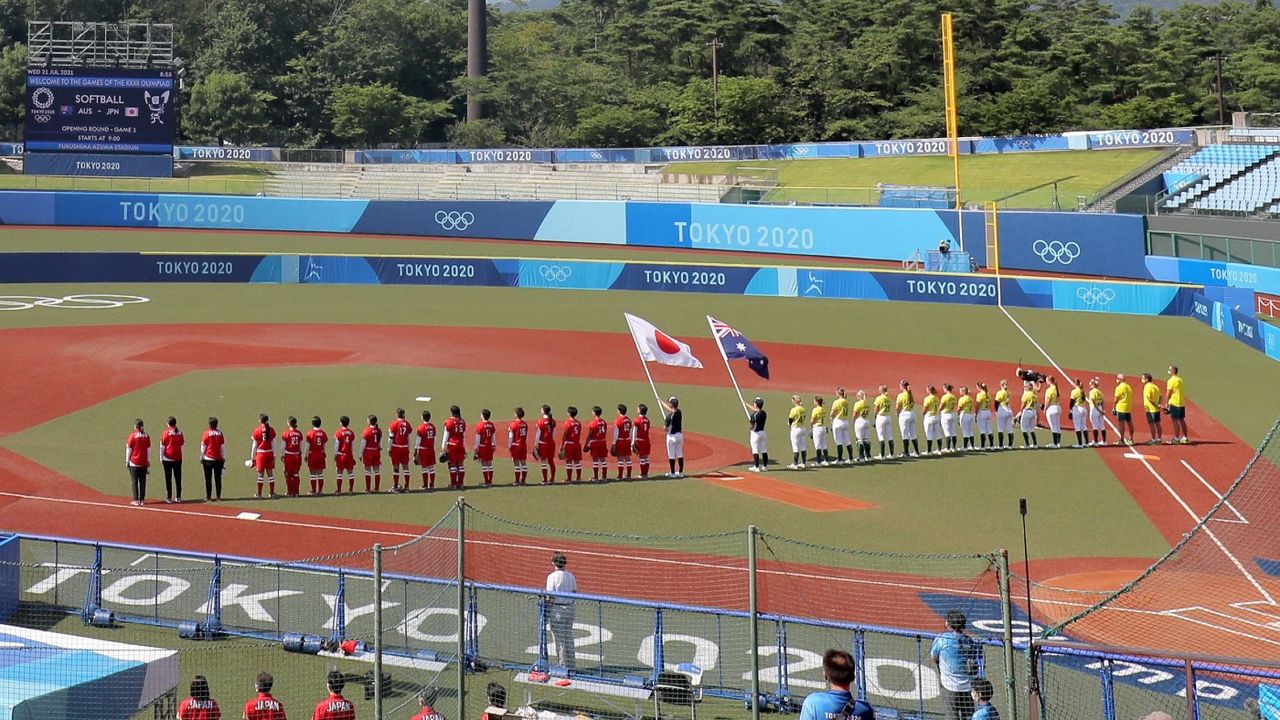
column 1226, row 179
column 486, row 182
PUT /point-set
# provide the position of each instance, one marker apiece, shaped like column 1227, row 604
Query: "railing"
column 1253, row 251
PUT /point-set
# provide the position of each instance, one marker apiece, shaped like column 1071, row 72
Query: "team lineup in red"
column 406, row 447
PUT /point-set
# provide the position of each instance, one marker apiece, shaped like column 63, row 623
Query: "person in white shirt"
column 560, row 609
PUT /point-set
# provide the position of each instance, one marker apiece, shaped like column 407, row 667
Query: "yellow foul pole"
column 953, row 122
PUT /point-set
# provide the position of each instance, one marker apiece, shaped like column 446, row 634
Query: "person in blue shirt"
column 956, row 655
column 981, row 693
column 838, row 702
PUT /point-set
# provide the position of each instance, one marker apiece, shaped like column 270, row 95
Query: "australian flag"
column 736, row 347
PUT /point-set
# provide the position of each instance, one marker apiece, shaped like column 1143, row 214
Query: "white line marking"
column 1240, row 518
column 286, row 523
column 142, row 557
column 1234, row 560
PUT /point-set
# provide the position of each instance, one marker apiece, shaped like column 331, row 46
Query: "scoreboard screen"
column 100, row 110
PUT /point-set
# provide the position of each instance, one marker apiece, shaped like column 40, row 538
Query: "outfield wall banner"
column 10, row 575
column 9, row 149
column 1105, row 245
column 234, row 154
column 1201, row 308
column 1245, row 328
column 1214, row 273
column 478, row 219
column 51, row 267
column 1141, row 138
column 97, row 165
column 897, row 148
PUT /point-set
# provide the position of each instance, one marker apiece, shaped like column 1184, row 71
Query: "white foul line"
column 1145, row 463
column 1227, row 504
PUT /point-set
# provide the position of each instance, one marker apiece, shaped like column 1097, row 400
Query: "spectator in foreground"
column 956, row 655
column 263, row 706
column 497, row 702
column 334, row 707
column 982, row 692
column 427, row 698
column 199, row 706
column 838, row 702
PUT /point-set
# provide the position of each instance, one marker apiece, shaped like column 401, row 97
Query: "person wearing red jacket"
column 171, row 441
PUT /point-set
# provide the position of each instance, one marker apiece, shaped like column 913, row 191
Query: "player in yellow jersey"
column 840, row 426
column 818, row 428
column 799, row 446
column 1027, row 417
column 1053, row 411
column 1079, row 409
column 1123, row 408
column 1177, row 405
column 1097, row 413
column 947, row 410
column 883, row 407
column 1151, row 401
column 906, row 407
column 1004, row 415
column 862, row 427
column 983, row 418
column 964, row 408
column 932, row 423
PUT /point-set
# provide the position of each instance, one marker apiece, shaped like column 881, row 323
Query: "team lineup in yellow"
column 965, row 419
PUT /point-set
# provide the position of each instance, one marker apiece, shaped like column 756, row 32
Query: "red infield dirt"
column 79, row 366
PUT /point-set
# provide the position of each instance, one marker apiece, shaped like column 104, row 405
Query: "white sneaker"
column 754, row 468
column 826, row 463
column 880, row 456
column 793, row 466
column 915, row 454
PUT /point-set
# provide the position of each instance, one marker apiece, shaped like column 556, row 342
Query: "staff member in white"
column 674, row 423
column 560, row 609
column 759, row 440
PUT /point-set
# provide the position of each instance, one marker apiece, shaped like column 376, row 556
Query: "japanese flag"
column 657, row 346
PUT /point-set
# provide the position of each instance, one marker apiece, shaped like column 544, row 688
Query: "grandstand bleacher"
column 486, row 182
column 1238, row 178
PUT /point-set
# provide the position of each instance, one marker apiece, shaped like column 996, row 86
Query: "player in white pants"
column 862, row 426
column 1004, row 415
column 906, row 407
column 1053, row 411
column 932, row 422
column 799, row 445
column 1027, row 416
column 884, row 421
column 1079, row 410
column 986, row 432
column 840, row 427
column 947, row 408
column 818, row 426
column 964, row 406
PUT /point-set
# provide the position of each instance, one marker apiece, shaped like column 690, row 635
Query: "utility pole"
column 715, row 45
column 1222, row 112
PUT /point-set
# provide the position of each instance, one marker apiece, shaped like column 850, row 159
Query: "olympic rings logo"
column 1056, row 251
column 1095, row 296
column 74, row 302
column 454, row 220
column 555, row 273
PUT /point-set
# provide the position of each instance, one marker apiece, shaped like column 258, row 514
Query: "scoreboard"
column 100, row 110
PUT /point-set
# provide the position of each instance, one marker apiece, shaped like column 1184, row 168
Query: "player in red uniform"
column 598, row 444
column 317, row 438
column 518, row 445
column 171, row 442
column 263, row 452
column 640, row 439
column 371, row 455
column 455, row 446
column 199, row 706
column 213, row 460
column 425, row 455
column 426, row 699
column 137, row 458
column 344, row 456
column 334, row 707
column 486, row 446
column 399, row 432
column 264, row 706
column 544, row 445
column 571, row 446
column 622, row 441
column 291, row 457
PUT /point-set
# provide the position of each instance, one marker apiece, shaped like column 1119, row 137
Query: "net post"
column 377, row 631
column 1193, row 710
column 753, row 608
column 1006, row 618
column 460, row 506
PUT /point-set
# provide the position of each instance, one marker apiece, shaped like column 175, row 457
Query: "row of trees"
column 312, row 73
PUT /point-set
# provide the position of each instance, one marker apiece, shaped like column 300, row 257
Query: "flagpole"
column 645, row 364
column 725, row 358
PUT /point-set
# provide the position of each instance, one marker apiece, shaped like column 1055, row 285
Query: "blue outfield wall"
column 1063, row 242
column 1218, row 308
column 1214, row 273
column 1045, row 293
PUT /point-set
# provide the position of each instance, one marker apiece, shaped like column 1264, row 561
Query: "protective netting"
column 1217, row 592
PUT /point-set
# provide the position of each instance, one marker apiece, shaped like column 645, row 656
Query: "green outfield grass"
column 24, row 239
column 204, row 178
column 984, row 486
column 1004, row 178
